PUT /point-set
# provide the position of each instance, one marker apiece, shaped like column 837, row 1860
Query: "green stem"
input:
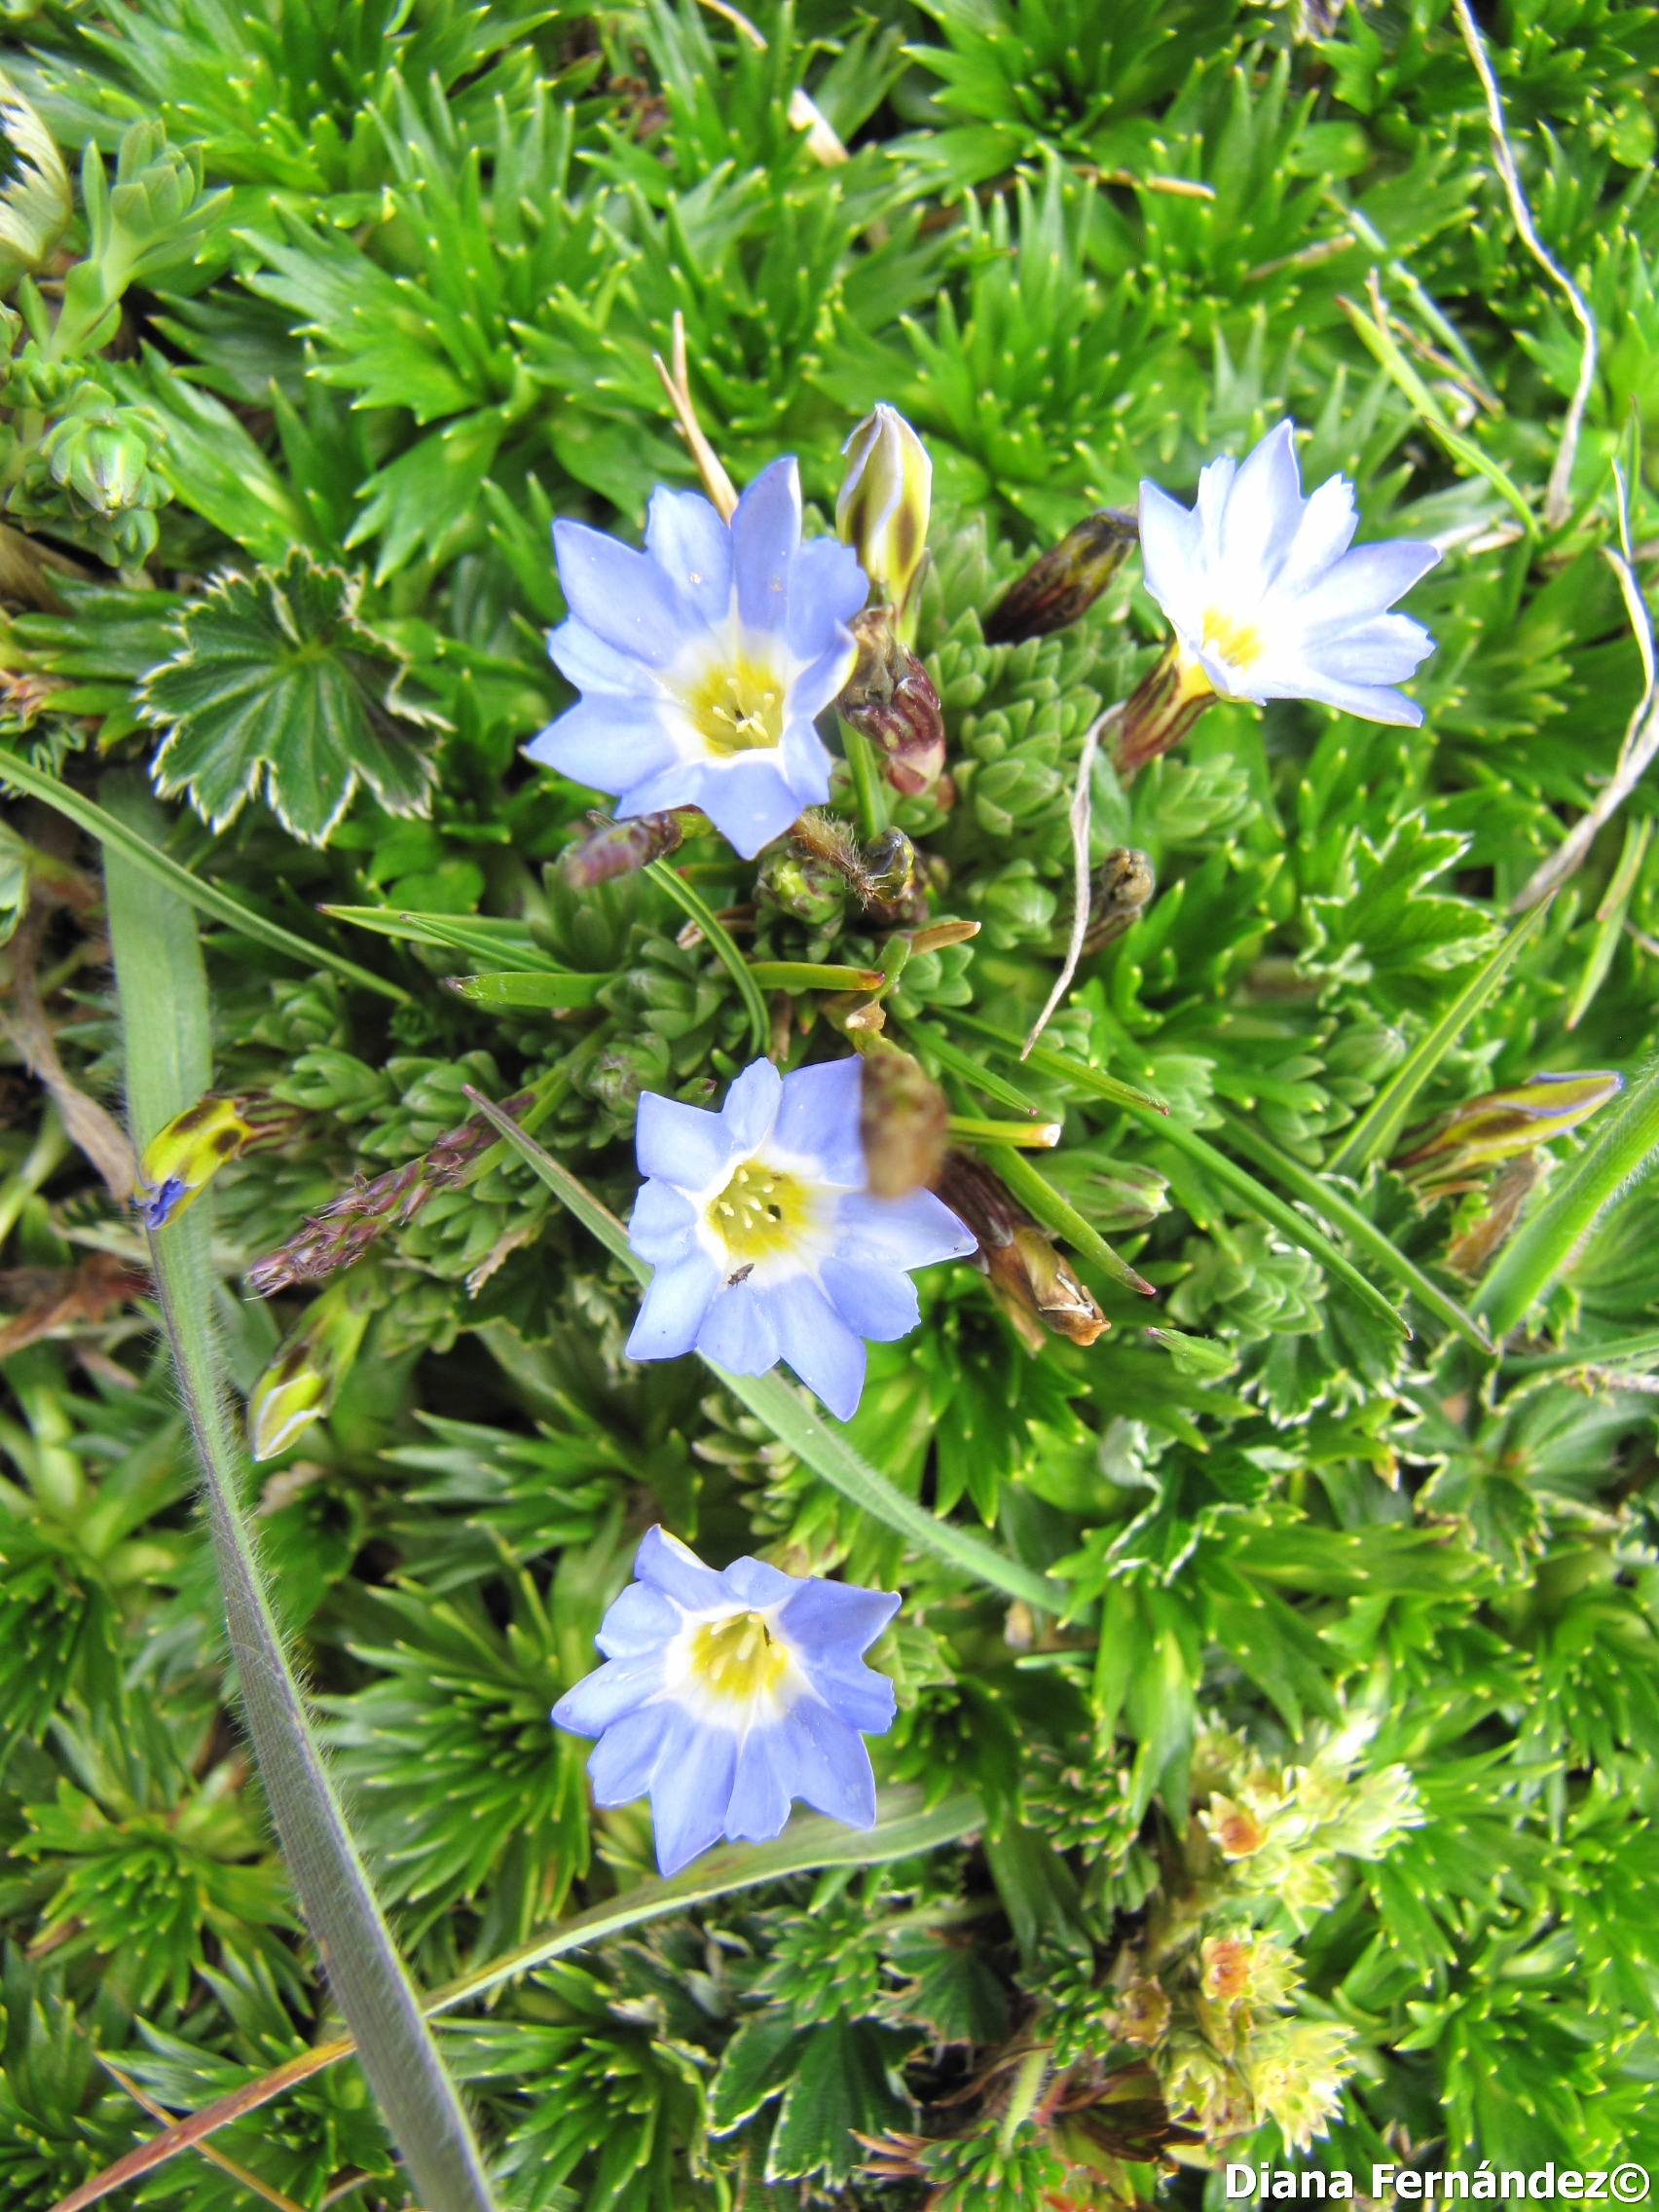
column 1315, row 1192
column 788, row 1415
column 1022, row 1136
column 866, row 782
column 1528, row 1263
column 163, row 989
column 1058, row 1214
column 693, row 904
column 117, row 837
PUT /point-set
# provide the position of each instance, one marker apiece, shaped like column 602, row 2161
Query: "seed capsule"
column 890, row 699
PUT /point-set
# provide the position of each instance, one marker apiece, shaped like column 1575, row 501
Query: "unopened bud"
column 1161, row 709
column 1504, row 1123
column 890, row 699
column 901, row 1121
column 1143, row 2013
column 181, row 1159
column 620, row 848
column 1124, row 882
column 302, row 1381
column 881, row 510
column 1064, row 582
column 889, row 869
column 1033, row 1286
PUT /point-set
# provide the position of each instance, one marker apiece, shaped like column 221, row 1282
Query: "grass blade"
column 1524, row 1269
column 1373, row 1133
column 789, row 1415
column 693, row 904
column 1314, row 1191
column 1054, row 1212
column 163, row 990
column 483, row 936
column 902, row 1827
column 207, row 897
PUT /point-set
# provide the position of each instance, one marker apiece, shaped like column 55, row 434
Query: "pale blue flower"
column 723, row 1697
column 704, row 660
column 1269, row 596
column 767, row 1242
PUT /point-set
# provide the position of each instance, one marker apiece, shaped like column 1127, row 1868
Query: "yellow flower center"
column 737, row 1658
column 1235, row 643
column 760, row 1212
column 738, row 707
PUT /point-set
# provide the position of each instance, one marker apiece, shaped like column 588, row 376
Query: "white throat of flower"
column 770, row 1216
column 732, row 688
column 731, row 1667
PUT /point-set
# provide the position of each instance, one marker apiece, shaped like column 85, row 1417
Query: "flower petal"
column 1329, row 519
column 876, row 1302
column 592, row 665
column 600, row 1699
column 766, row 531
column 818, row 1122
column 686, row 1146
column 858, row 1695
column 752, row 1104
column 1171, row 543
column 835, row 1621
column 1365, row 582
column 760, row 1802
column 675, row 1307
column 689, row 1796
column 752, row 799
column 1264, row 507
column 604, row 740
column 642, row 1619
column 831, row 1767
column 739, row 1331
column 913, row 1232
column 826, row 589
column 663, row 1224
column 621, row 1765
column 685, row 535
column 751, row 1582
column 815, row 1340
column 674, row 1567
column 622, row 596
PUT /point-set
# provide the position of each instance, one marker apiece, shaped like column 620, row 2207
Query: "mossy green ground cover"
column 1313, row 1816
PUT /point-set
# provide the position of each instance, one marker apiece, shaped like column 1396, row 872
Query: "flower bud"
column 901, row 1121
column 1064, row 582
column 620, row 848
column 1503, row 1123
column 890, row 699
column 302, row 1381
column 881, row 510
column 182, row 1158
column 1124, row 883
column 1161, row 709
column 1032, row 1285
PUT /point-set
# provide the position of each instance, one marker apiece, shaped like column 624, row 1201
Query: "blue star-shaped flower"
column 726, row 1696
column 704, row 660
column 767, row 1242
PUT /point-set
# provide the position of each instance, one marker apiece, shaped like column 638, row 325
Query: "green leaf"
column 840, row 2088
column 755, row 2066
column 207, row 897
column 279, row 683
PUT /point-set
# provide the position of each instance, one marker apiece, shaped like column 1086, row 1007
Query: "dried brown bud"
column 1033, row 1286
column 620, row 848
column 1066, row 581
column 890, row 699
column 1124, row 882
column 901, row 1121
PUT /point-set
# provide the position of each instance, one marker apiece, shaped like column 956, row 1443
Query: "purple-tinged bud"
column 620, row 848
column 890, row 699
column 903, row 1117
column 1064, row 582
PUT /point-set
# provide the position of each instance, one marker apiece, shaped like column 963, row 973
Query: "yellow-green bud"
column 882, row 507
column 1504, row 1123
column 301, row 1382
column 183, row 1158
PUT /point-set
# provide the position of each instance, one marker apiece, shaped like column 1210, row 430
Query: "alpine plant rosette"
column 1269, row 599
column 766, row 1242
column 703, row 661
column 726, row 1696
